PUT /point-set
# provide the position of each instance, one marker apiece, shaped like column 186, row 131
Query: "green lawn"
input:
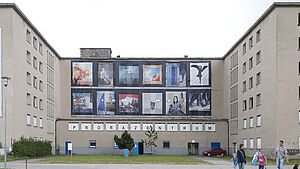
column 118, row 159
column 11, row 158
column 270, row 161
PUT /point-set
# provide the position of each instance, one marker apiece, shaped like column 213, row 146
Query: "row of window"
column 35, row 43
column 50, row 92
column 234, row 60
column 250, row 62
column 173, row 127
column 50, row 76
column 251, row 122
column 258, row 81
column 36, row 83
column 251, row 143
column 258, row 38
column 34, row 101
column 50, row 109
column 251, row 102
column 37, row 65
column 50, row 60
column 35, row 118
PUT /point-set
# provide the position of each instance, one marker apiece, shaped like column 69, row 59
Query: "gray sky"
column 139, row 28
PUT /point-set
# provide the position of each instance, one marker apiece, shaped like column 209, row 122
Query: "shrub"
column 125, row 142
column 31, row 148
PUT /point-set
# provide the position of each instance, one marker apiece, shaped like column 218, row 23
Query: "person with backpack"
column 241, row 156
column 280, row 155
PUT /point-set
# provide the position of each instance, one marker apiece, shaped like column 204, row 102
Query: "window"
column 299, row 43
column 298, row 19
column 250, row 82
column 258, row 78
column 258, row 143
column 258, row 99
column 251, row 42
column 245, row 105
column 41, row 48
column 35, row 62
column 299, row 117
column 244, row 86
column 41, row 67
column 244, row 67
column 28, row 99
column 41, row 122
column 28, row 57
column 258, row 38
column 34, row 121
column 28, row 36
column 251, row 125
column 92, row 143
column 251, row 103
column 28, row 119
column 34, row 42
column 34, row 101
column 28, row 78
column 245, row 124
column 34, row 81
column 258, row 57
column 258, row 121
column 244, row 48
column 251, row 142
column 245, row 143
column 41, row 104
column 251, row 63
column 299, row 141
column 41, row 85
column 166, row 144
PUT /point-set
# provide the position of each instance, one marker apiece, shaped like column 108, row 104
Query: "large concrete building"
column 250, row 95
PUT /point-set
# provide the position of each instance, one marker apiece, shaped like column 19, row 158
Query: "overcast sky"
column 139, row 28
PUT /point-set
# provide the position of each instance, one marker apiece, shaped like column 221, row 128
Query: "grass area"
column 11, row 158
column 118, row 159
column 270, row 161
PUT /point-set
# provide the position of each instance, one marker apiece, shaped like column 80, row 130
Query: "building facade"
column 250, row 95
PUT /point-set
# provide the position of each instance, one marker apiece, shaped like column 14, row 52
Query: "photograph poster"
column 105, row 74
column 199, row 74
column 176, row 103
column 152, row 74
column 199, row 102
column 106, row 103
column 82, row 103
column 129, row 75
column 152, row 103
column 176, row 74
column 129, row 103
column 82, row 73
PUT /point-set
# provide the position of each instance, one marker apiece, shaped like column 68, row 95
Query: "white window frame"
column 41, row 104
column 244, row 123
column 28, row 120
column 34, row 121
column 41, row 122
column 41, row 67
column 245, row 143
column 28, row 99
column 28, row 57
column 258, row 122
column 258, row 143
column 251, row 122
column 251, row 143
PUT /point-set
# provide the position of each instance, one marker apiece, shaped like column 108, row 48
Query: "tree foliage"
column 125, row 142
column 152, row 136
column 31, row 148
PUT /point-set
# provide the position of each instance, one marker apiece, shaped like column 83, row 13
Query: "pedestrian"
column 261, row 159
column 296, row 166
column 241, row 156
column 234, row 160
column 281, row 154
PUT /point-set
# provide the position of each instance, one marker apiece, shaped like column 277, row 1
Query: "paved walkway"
column 217, row 164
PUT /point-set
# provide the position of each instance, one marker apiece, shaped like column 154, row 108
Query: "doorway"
column 193, row 148
column 141, row 148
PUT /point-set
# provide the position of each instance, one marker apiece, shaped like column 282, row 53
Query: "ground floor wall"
column 175, row 137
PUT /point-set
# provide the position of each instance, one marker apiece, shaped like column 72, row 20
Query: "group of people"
column 281, row 154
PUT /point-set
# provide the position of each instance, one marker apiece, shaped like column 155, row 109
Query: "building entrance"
column 193, row 148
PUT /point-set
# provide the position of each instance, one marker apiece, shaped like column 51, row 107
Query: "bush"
column 31, row 148
column 0, row 145
column 125, row 142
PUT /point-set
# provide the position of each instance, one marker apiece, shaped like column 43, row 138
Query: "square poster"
column 176, row 74
column 152, row 74
column 129, row 75
column 199, row 74
column 105, row 74
column 176, row 103
column 82, row 73
column 129, row 103
column 106, row 102
column 82, row 103
column 199, row 102
column 152, row 103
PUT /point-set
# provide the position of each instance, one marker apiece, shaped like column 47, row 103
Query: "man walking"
column 280, row 155
column 241, row 157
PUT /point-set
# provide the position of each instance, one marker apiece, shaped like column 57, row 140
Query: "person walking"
column 261, row 159
column 281, row 154
column 241, row 156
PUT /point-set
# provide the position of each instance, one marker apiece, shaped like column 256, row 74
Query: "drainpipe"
column 55, row 137
column 227, row 120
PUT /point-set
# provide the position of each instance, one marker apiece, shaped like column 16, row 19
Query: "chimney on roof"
column 186, row 56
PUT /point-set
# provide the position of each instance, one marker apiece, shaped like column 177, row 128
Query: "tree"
column 152, row 136
column 125, row 142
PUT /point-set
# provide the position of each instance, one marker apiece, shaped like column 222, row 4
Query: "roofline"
column 22, row 15
column 141, row 58
column 260, row 19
